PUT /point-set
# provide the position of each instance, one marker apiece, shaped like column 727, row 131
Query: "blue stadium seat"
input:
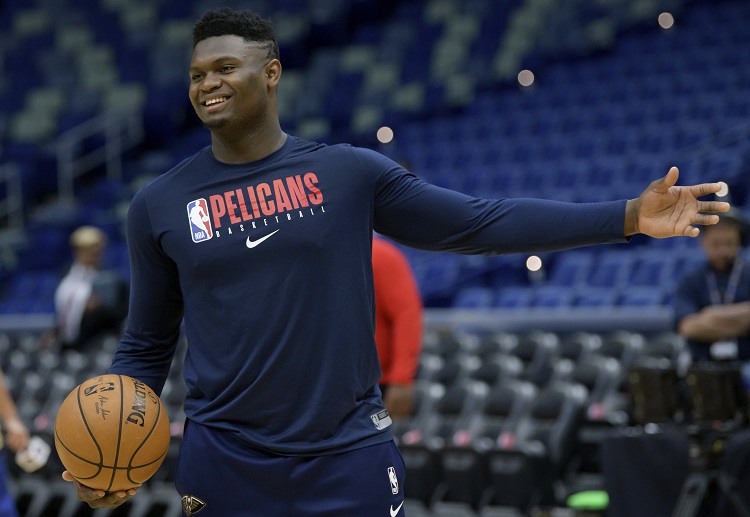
column 474, row 298
column 596, row 297
column 571, row 268
column 611, row 268
column 642, row 296
column 514, row 297
column 553, row 296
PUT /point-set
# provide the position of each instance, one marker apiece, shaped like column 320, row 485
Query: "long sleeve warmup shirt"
column 268, row 264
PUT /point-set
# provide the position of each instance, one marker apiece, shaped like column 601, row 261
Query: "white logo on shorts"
column 394, row 480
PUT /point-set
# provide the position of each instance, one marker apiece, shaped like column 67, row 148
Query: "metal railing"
column 120, row 131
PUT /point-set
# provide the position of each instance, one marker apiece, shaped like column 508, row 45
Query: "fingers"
column 99, row 498
column 706, row 219
column 84, row 493
column 713, row 206
column 667, row 182
column 705, row 189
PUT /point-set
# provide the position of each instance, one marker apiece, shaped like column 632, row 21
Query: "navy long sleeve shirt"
column 269, row 266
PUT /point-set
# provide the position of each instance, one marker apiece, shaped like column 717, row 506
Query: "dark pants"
column 233, row 479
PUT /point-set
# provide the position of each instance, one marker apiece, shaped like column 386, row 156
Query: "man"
column 284, row 413
column 89, row 300
column 712, row 302
column 398, row 326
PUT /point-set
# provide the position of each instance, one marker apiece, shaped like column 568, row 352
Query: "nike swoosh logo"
column 252, row 244
column 398, row 509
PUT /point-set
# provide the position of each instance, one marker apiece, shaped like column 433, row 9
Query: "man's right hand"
column 99, row 498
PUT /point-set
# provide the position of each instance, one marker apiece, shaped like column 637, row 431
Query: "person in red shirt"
column 398, row 325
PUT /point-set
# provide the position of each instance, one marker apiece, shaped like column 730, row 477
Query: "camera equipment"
column 710, row 403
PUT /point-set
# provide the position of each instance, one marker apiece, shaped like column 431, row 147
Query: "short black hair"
column 735, row 218
column 247, row 24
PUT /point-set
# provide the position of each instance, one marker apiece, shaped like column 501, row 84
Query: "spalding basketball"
column 112, row 432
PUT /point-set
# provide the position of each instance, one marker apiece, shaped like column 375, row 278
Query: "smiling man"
column 261, row 244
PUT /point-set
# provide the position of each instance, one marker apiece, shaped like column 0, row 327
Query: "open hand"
column 99, row 498
column 665, row 210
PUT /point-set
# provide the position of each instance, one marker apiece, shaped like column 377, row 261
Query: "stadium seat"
column 474, row 298
column 596, row 297
column 537, row 351
column 514, row 297
column 162, row 499
column 578, row 346
column 553, row 296
column 523, row 477
column 643, row 297
column 571, row 268
column 623, row 345
column 41, row 498
column 497, row 368
column 611, row 268
column 496, row 424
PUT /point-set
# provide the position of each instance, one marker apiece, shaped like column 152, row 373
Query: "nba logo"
column 200, row 224
column 394, row 480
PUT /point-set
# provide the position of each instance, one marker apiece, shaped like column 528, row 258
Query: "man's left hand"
column 665, row 210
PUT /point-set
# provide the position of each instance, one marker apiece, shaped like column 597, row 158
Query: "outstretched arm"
column 665, row 210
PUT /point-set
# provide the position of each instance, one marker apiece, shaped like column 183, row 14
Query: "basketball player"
column 284, row 414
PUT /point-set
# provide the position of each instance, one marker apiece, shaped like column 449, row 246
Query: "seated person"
column 712, row 302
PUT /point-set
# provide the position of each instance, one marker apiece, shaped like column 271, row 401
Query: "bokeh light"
column 724, row 189
column 666, row 20
column 533, row 263
column 525, row 78
column 385, row 135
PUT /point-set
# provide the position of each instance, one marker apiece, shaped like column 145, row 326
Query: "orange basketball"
column 112, row 432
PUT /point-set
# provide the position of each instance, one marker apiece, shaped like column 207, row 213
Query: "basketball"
column 112, row 432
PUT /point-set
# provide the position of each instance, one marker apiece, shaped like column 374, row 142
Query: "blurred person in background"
column 712, row 301
column 15, row 436
column 90, row 300
column 398, row 325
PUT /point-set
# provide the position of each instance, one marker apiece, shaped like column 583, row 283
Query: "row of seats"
column 618, row 276
column 509, row 422
column 588, row 129
column 503, row 421
column 37, row 497
column 39, row 379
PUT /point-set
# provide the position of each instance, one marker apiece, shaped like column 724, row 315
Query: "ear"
column 273, row 73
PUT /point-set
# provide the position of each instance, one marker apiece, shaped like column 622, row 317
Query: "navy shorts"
column 218, row 476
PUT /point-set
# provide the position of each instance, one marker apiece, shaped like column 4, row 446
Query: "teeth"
column 217, row 100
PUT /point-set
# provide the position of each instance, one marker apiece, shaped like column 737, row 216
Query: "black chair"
column 41, row 498
column 496, row 425
column 410, row 430
column 578, row 346
column 163, row 501
column 668, row 345
column 600, row 376
column 537, row 350
column 497, row 368
column 623, row 345
column 442, row 342
column 463, row 460
column 524, row 476
column 462, row 467
column 456, row 368
column 442, row 420
column 423, row 473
